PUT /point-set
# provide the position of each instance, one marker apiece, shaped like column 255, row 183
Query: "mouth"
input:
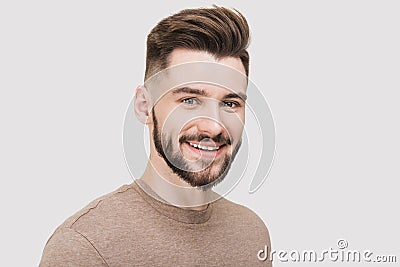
column 211, row 150
column 203, row 147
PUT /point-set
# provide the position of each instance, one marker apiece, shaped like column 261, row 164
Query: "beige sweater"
column 128, row 227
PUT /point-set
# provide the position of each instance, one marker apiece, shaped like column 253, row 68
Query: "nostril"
column 209, row 126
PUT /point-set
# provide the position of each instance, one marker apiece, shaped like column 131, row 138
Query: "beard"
column 211, row 172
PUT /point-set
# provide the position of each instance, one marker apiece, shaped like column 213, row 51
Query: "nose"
column 209, row 121
column 209, row 126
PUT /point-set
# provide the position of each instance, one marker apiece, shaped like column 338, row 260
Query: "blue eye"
column 190, row 101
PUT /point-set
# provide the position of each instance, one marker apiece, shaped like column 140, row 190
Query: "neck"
column 174, row 190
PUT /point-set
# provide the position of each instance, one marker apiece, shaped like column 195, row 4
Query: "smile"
column 205, row 151
column 207, row 148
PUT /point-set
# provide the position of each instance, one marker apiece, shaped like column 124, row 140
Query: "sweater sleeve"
column 67, row 247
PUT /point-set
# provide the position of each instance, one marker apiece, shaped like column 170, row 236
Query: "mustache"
column 204, row 137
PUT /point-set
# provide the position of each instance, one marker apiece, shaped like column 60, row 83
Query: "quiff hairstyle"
column 220, row 31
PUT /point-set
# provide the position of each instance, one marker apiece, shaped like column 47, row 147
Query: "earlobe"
column 142, row 105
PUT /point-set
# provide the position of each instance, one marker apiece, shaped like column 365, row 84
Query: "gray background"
column 329, row 69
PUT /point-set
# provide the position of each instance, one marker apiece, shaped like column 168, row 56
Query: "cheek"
column 177, row 120
column 234, row 124
column 167, row 116
column 235, row 132
column 171, row 127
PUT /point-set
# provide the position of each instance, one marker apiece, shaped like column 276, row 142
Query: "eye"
column 190, row 101
column 231, row 104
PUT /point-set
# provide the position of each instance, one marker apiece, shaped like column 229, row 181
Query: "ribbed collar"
column 170, row 211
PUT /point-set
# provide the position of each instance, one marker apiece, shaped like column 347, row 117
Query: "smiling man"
column 193, row 101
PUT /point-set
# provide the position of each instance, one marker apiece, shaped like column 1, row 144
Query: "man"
column 193, row 101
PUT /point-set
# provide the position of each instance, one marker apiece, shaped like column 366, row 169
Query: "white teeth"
column 194, row 145
column 204, row 147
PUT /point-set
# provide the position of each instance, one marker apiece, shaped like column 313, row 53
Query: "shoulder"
column 66, row 247
column 107, row 205
column 230, row 209
column 72, row 243
column 244, row 225
column 241, row 217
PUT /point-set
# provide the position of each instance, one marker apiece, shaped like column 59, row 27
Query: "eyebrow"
column 189, row 90
column 234, row 95
column 201, row 92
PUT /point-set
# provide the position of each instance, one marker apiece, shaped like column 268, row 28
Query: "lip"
column 204, row 153
column 206, row 143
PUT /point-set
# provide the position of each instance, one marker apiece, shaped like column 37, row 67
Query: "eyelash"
column 190, row 98
column 236, row 104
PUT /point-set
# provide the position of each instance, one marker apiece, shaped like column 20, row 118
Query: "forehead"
column 192, row 67
column 181, row 56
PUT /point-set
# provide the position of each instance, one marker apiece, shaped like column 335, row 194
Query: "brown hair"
column 220, row 31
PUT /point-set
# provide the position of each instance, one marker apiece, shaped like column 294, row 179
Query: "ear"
column 142, row 105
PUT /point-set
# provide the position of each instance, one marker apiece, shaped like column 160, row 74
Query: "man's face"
column 197, row 127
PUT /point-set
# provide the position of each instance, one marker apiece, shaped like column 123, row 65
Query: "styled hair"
column 220, row 31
